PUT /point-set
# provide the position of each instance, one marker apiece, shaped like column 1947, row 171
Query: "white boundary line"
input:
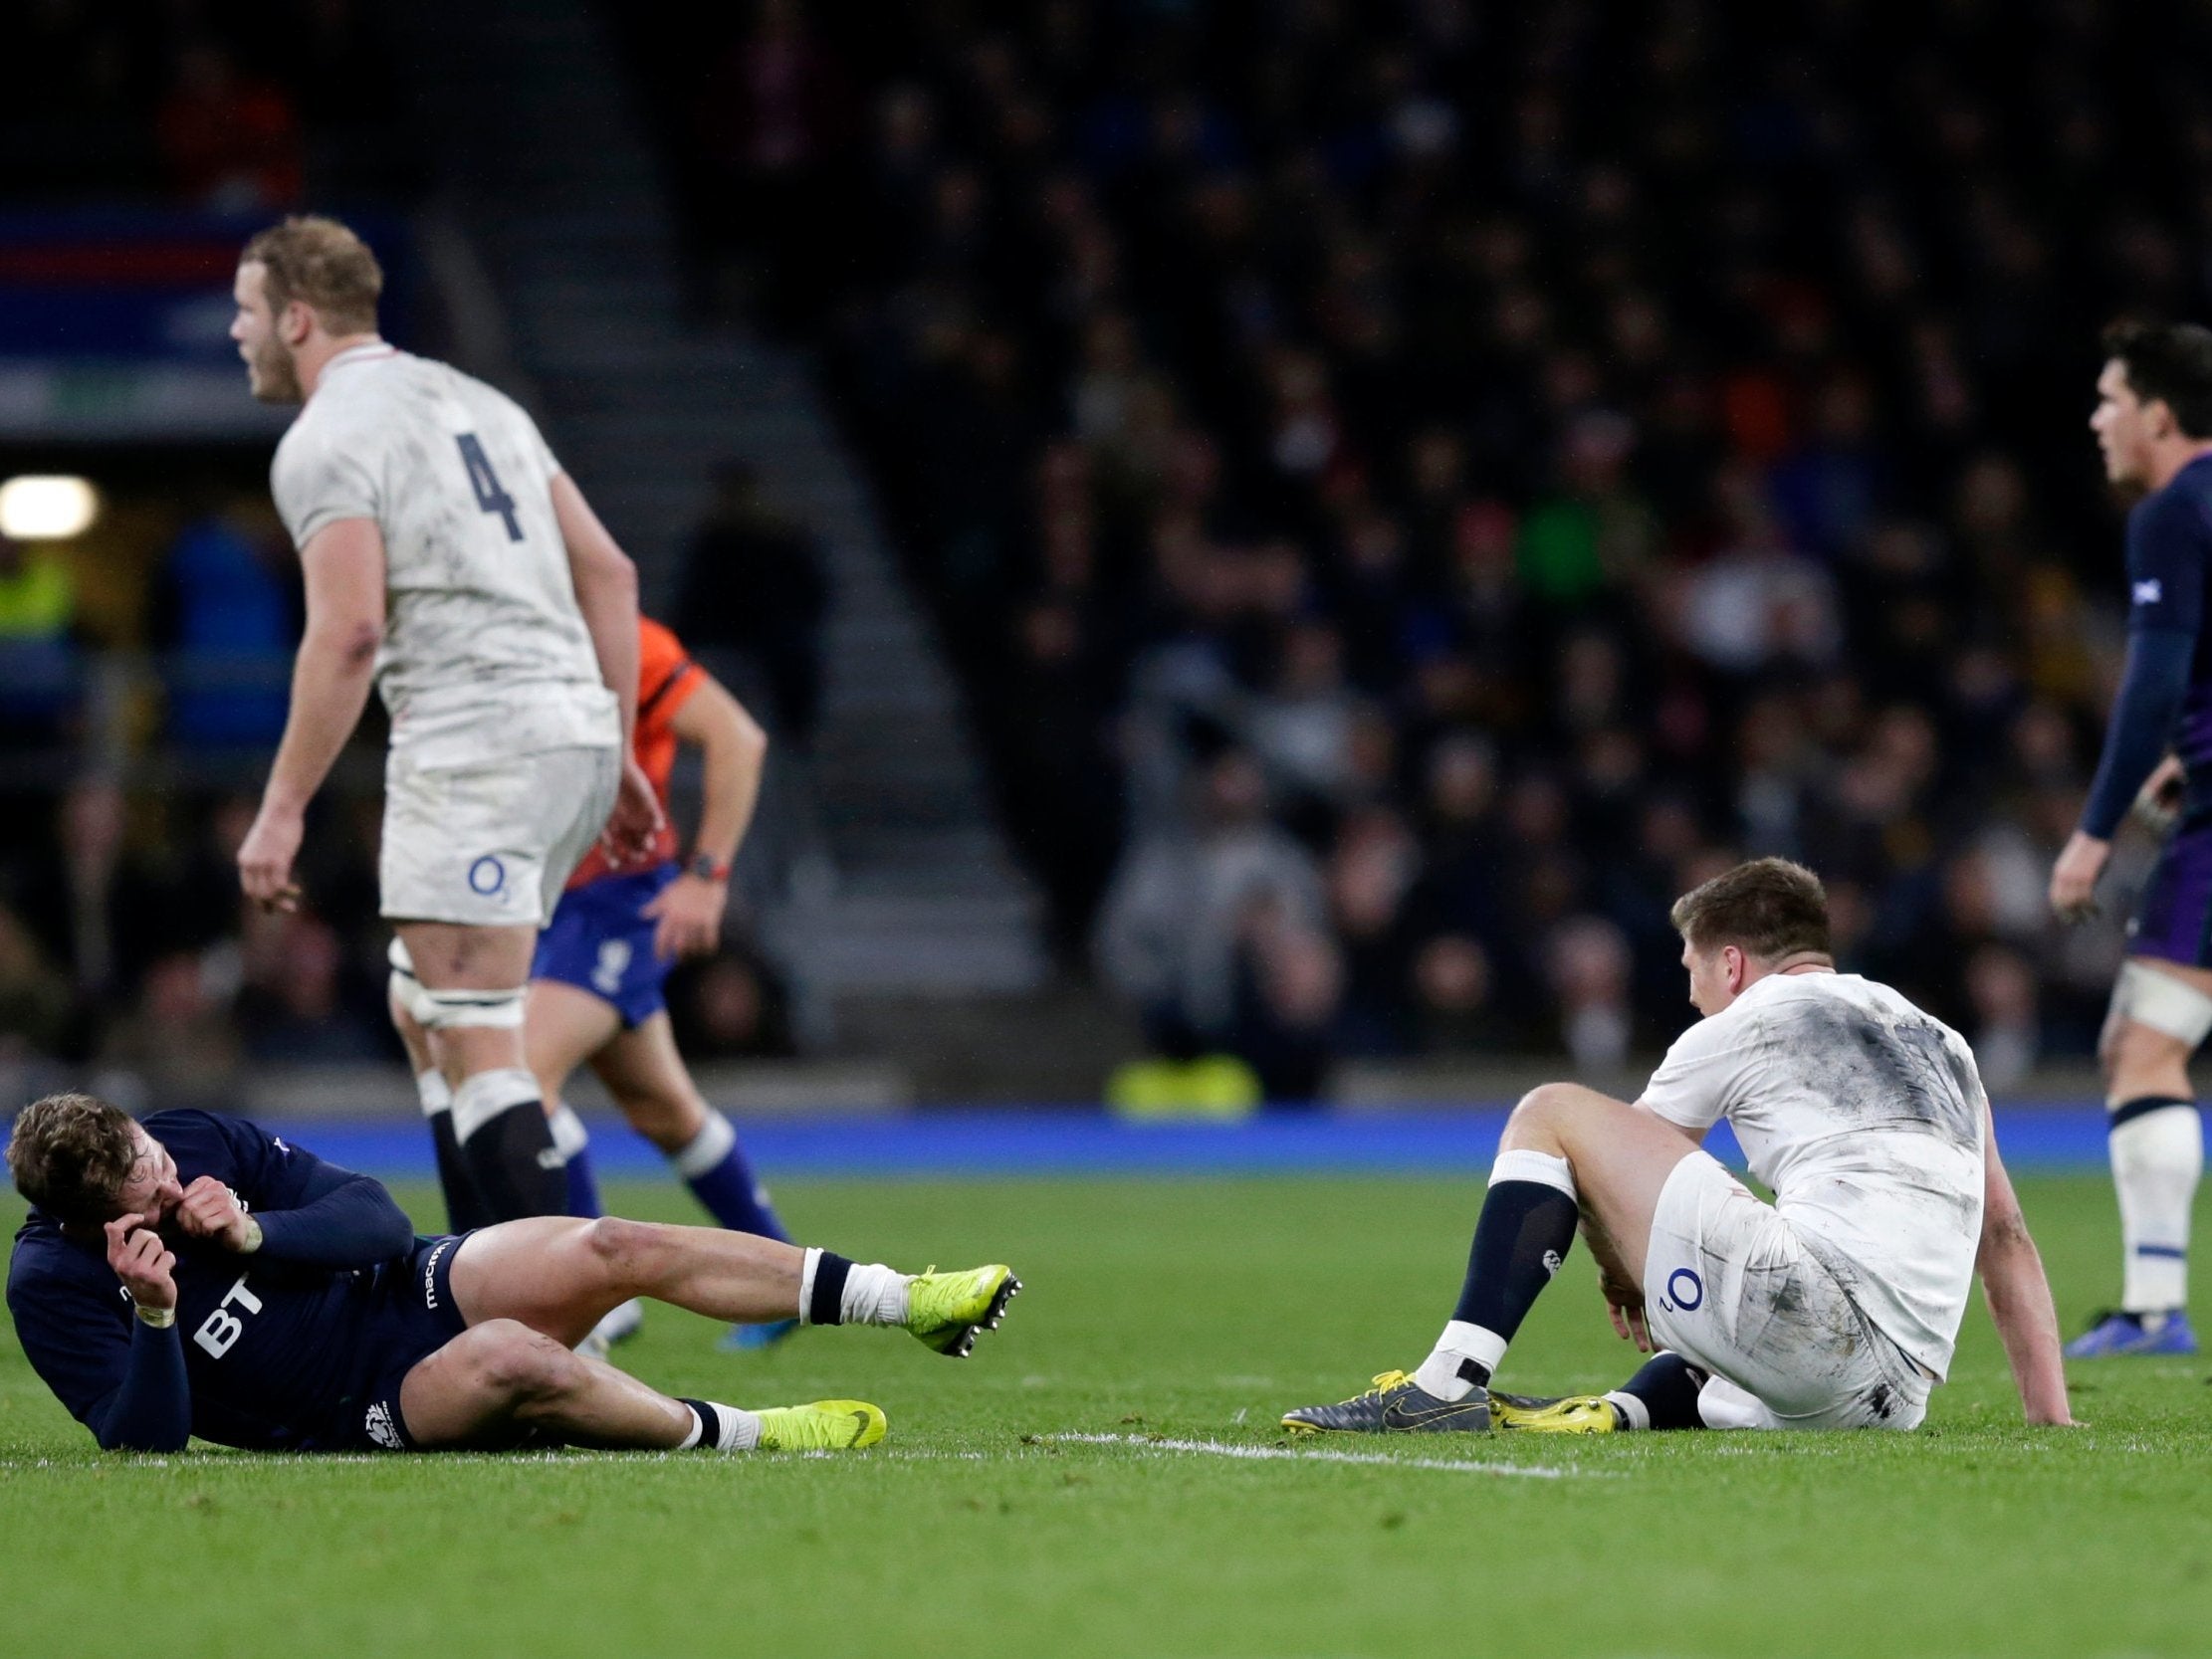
column 1224, row 1448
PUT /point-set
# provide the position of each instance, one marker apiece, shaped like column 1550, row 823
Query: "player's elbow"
column 749, row 739
column 612, row 573
column 351, row 646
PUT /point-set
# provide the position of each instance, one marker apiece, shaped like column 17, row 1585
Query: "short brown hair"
column 70, row 1155
column 1769, row 908
column 322, row 264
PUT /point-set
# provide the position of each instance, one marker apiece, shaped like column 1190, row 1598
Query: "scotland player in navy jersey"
column 194, row 1275
column 2153, row 422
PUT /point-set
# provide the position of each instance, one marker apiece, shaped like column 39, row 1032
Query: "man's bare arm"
column 344, row 569
column 2019, row 1296
column 687, row 912
column 733, row 751
column 606, row 594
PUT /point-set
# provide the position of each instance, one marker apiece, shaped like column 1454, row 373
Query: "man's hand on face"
column 211, row 1210
column 141, row 1261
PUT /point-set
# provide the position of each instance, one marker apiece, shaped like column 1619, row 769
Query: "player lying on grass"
column 195, row 1274
column 1835, row 1307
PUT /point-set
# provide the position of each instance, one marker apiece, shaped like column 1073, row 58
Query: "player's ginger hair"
column 70, row 1155
column 1769, row 908
column 322, row 264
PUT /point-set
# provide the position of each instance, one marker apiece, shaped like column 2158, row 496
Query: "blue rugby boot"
column 752, row 1338
column 2113, row 1335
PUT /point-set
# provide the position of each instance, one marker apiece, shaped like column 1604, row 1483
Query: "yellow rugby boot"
column 948, row 1310
column 823, row 1426
column 1567, row 1414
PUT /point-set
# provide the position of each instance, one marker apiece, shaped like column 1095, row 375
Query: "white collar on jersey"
column 361, row 353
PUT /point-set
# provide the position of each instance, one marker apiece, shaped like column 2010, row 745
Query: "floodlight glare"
column 37, row 508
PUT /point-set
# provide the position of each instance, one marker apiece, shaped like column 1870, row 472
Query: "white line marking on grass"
column 1274, row 1454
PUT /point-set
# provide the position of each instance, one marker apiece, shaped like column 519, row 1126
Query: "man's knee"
column 1548, row 1103
column 663, row 1115
column 519, row 1365
column 624, row 1249
column 2128, row 1047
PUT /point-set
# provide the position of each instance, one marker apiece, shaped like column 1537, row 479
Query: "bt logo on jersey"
column 220, row 1330
column 2150, row 592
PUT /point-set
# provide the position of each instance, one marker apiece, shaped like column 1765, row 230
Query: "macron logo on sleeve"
column 2150, row 592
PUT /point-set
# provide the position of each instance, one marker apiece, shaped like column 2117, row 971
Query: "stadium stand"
column 1406, row 488
column 1412, row 486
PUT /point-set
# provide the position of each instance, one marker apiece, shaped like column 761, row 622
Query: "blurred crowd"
column 1412, row 487
column 233, row 106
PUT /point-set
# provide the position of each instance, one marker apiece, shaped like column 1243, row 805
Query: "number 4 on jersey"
column 488, row 496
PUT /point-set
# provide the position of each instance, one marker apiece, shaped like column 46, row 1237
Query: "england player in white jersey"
column 1835, row 1307
column 449, row 560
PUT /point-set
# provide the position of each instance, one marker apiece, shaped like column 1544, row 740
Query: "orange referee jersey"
column 666, row 679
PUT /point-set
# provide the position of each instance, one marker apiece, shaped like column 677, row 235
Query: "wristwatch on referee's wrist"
column 707, row 870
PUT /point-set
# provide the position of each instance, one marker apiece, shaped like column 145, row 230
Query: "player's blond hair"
column 1769, row 909
column 70, row 1155
column 322, row 265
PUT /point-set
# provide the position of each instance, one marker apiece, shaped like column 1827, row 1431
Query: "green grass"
column 1184, row 1310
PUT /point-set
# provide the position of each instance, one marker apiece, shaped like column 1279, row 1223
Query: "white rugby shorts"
column 1731, row 1287
column 491, row 845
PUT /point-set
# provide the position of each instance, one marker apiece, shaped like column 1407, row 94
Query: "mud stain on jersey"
column 1877, row 1071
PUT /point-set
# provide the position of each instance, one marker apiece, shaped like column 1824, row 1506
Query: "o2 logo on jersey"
column 613, row 963
column 1686, row 1292
column 487, row 875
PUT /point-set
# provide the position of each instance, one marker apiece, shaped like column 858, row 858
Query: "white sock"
column 706, row 1148
column 2156, row 1160
column 483, row 1095
column 874, row 1294
column 434, row 1092
column 570, row 1137
column 733, row 1429
column 1635, row 1414
column 1439, row 1372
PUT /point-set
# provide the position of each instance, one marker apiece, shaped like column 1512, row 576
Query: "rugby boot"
column 752, row 1338
column 823, row 1426
column 1565, row 1414
column 2113, row 1335
column 948, row 1310
column 1397, row 1405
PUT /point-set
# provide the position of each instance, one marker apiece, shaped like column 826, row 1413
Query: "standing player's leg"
column 2162, row 1012
column 562, row 1027
column 559, row 1275
column 645, row 1074
column 464, row 1205
column 1568, row 1155
column 500, row 1379
column 473, row 981
column 650, row 1082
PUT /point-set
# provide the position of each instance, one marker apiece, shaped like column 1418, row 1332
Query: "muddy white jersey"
column 485, row 651
column 1864, row 1115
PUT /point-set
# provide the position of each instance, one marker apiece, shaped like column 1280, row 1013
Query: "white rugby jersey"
column 485, row 651
column 1866, row 1117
